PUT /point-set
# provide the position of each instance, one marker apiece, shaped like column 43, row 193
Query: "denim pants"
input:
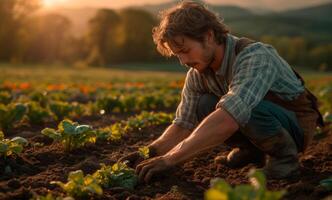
column 266, row 120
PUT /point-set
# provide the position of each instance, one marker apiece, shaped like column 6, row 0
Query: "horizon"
column 117, row 4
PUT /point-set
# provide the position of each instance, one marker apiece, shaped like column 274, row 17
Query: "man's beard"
column 209, row 60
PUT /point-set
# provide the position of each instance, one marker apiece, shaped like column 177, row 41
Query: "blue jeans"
column 266, row 120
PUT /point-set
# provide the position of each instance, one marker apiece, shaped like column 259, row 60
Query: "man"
column 237, row 92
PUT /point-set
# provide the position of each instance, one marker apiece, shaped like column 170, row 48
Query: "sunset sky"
column 265, row 4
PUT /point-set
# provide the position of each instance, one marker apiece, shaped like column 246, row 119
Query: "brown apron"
column 305, row 106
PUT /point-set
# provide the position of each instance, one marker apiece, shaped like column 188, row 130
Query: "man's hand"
column 133, row 158
column 152, row 166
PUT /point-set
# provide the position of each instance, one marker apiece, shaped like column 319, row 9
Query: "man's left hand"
column 150, row 167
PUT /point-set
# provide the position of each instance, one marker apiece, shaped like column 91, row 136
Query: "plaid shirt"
column 241, row 83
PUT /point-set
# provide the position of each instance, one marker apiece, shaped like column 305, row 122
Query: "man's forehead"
column 176, row 44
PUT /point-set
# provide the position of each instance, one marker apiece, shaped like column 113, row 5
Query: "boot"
column 240, row 157
column 282, row 151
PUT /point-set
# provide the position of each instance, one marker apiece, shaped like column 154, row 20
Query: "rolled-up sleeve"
column 185, row 115
column 253, row 76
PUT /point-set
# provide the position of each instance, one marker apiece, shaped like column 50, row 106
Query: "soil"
column 38, row 165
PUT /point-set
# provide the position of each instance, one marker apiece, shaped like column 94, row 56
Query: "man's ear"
column 209, row 36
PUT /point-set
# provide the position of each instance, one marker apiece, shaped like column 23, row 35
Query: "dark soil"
column 33, row 171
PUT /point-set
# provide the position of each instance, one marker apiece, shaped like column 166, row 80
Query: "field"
column 125, row 110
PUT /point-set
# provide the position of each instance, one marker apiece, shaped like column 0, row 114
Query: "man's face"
column 192, row 53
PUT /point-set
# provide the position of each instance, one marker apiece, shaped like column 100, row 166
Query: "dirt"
column 38, row 165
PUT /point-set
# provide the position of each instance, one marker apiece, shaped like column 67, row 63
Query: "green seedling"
column 71, row 134
column 221, row 190
column 80, row 186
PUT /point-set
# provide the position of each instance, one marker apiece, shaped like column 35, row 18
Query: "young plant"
column 144, row 152
column 37, row 114
column 71, row 134
column 9, row 147
column 61, row 109
column 80, row 186
column 50, row 196
column 220, row 189
column 11, row 114
column 117, row 175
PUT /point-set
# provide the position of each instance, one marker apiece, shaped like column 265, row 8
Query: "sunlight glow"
column 51, row 3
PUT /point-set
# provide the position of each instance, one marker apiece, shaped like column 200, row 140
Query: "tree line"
column 113, row 36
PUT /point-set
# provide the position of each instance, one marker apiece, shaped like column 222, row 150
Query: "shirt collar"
column 229, row 55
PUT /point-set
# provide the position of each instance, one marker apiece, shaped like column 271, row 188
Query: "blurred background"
column 115, row 33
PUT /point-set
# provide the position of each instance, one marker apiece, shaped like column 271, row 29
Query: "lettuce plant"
column 71, row 134
column 221, row 190
column 80, row 186
column 9, row 147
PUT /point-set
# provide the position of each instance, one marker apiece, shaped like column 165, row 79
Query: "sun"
column 51, row 3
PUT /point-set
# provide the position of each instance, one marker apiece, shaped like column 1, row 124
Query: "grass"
column 145, row 72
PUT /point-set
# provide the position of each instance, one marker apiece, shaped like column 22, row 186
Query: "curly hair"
column 190, row 19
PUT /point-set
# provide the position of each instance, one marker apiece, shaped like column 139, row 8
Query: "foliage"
column 11, row 114
column 61, row 109
column 50, row 196
column 79, row 185
column 135, row 123
column 9, row 147
column 144, row 152
column 71, row 134
column 327, row 183
column 117, row 175
column 37, row 114
column 221, row 190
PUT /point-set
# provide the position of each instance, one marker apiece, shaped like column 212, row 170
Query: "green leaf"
column 82, row 128
column 68, row 127
column 327, row 183
column 19, row 140
column 3, row 147
column 76, row 176
column 51, row 133
column 16, row 148
column 95, row 188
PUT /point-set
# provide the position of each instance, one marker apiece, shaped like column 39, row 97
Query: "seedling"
column 220, row 189
column 71, row 134
column 79, row 185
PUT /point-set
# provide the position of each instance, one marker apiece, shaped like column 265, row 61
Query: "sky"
column 262, row 4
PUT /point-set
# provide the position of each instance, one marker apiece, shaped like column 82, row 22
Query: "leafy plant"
column 5, row 97
column 144, row 152
column 61, row 109
column 221, row 190
column 37, row 114
column 10, row 114
column 71, row 134
column 50, row 196
column 117, row 175
column 79, row 185
column 12, row 146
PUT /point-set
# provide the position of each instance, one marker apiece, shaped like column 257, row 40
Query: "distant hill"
column 314, row 23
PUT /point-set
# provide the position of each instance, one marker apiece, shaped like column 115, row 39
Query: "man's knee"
column 206, row 105
column 264, row 121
